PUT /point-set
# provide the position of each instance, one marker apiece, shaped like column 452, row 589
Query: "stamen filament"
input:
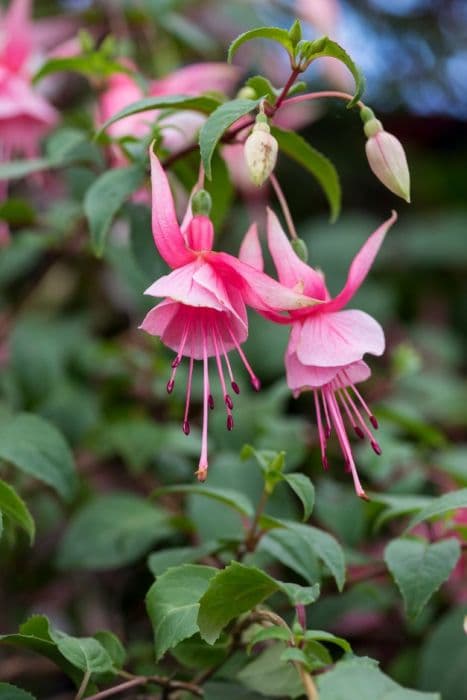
column 255, row 382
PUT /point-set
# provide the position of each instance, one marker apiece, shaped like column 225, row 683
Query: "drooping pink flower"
column 203, row 313
column 327, row 344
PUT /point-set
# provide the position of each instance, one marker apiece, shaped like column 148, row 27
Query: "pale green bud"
column 260, row 152
column 387, row 160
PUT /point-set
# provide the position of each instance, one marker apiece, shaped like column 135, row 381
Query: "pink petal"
column 180, row 286
column 292, row 271
column 361, row 265
column 196, row 79
column 180, row 130
column 157, row 320
column 166, row 231
column 338, row 339
column 301, row 377
column 250, row 250
column 259, row 290
column 17, row 28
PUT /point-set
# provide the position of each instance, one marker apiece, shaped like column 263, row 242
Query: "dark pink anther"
column 376, row 447
column 374, row 422
column 359, row 432
column 186, row 427
column 230, row 422
column 255, row 383
column 170, row 386
column 228, row 401
column 235, row 387
column 176, row 361
column 211, row 401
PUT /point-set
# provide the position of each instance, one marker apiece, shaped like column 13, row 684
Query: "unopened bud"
column 300, row 248
column 387, row 159
column 247, row 93
column 260, row 152
column 201, row 203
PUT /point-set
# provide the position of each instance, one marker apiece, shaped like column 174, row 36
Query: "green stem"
column 83, row 686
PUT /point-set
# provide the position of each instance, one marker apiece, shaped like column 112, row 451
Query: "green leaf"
column 325, row 546
column 11, row 692
column 16, row 169
column 197, row 654
column 113, row 646
column 232, row 592
column 295, row 146
column 443, row 660
column 202, row 103
column 269, row 675
column 300, row 595
column 366, row 681
column 217, row 123
column 292, row 550
column 213, row 690
column 266, row 633
column 15, row 508
column 86, row 653
column 398, row 505
column 277, row 34
column 173, row 604
column 37, row 448
column 94, row 64
column 322, row 636
column 159, row 562
column 104, row 199
column 444, row 504
column 327, row 47
column 301, row 485
column 419, row 568
column 110, row 531
column 229, row 497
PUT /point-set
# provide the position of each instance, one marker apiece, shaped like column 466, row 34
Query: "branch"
column 144, row 680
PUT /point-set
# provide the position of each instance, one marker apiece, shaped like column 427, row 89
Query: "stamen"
column 227, row 400
column 343, row 439
column 327, row 429
column 255, row 382
column 322, row 438
column 357, row 430
column 235, row 387
column 364, row 429
column 365, row 407
column 233, row 383
column 178, row 358
column 203, row 459
column 186, row 424
column 211, row 401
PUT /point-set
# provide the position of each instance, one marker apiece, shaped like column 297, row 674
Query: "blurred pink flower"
column 203, row 314
column 327, row 344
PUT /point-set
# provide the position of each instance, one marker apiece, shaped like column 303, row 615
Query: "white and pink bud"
column 260, row 152
column 386, row 156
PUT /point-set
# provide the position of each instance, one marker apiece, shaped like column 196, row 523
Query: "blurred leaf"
column 202, row 103
column 196, row 653
column 15, row 508
column 11, row 692
column 443, row 662
column 266, row 633
column 159, row 562
column 271, row 676
column 454, row 462
column 213, row 129
column 304, row 489
column 337, row 509
column 113, row 646
column 221, row 190
column 17, row 212
column 292, row 550
column 104, row 199
column 419, row 568
column 173, row 604
column 325, row 547
column 94, row 65
column 232, row 592
column 142, row 242
column 366, row 681
column 262, row 86
column 295, row 146
column 277, row 34
column 234, row 499
column 187, row 31
column 110, row 531
column 213, row 690
column 300, row 595
column 442, row 505
column 398, row 505
column 37, row 448
column 86, row 653
column 322, row 636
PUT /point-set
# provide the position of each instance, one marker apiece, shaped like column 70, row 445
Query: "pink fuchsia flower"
column 203, row 314
column 327, row 344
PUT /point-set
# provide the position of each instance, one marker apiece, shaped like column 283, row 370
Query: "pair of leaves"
column 192, row 598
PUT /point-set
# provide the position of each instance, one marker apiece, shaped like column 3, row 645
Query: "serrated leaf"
column 159, row 562
column 11, row 692
column 334, row 50
column 366, row 681
column 419, row 568
column 293, row 551
column 277, row 34
column 232, row 592
column 234, row 499
column 110, row 531
column 113, row 646
column 325, row 546
column 13, row 506
column 86, row 653
column 195, row 653
column 37, row 448
column 300, row 595
column 267, row 633
column 295, row 146
column 217, row 123
column 444, row 504
column 173, row 604
column 104, row 199
column 202, row 103
column 301, row 485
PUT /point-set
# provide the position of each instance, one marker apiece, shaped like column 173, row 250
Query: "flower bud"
column 201, row 203
column 260, row 152
column 386, row 157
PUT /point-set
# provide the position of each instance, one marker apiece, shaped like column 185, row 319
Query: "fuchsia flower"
column 327, row 344
column 204, row 314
